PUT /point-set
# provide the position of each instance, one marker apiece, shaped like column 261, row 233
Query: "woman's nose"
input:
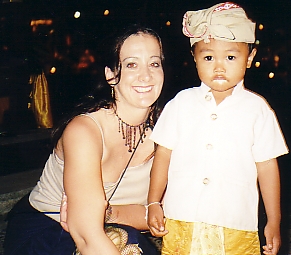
column 144, row 75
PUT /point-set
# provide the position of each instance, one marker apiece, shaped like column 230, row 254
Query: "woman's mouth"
column 142, row 89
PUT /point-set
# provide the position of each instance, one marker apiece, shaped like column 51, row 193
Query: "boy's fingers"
column 158, row 233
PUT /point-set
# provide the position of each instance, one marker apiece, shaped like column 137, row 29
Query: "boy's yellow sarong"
column 188, row 238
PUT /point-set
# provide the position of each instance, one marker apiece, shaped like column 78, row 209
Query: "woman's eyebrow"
column 129, row 58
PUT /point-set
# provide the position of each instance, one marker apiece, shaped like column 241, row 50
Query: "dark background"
column 75, row 47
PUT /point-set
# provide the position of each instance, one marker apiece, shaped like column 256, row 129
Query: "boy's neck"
column 219, row 96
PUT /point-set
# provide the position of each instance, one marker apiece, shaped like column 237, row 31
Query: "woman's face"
column 142, row 75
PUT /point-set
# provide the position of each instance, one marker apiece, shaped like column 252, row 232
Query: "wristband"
column 147, row 209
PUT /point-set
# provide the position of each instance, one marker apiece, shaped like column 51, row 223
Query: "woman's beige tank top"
column 47, row 194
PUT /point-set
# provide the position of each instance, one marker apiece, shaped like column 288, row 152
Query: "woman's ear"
column 109, row 75
column 251, row 57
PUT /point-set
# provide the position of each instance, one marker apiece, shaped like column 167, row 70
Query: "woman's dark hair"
column 101, row 96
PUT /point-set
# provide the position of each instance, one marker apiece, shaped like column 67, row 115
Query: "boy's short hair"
column 225, row 21
column 251, row 46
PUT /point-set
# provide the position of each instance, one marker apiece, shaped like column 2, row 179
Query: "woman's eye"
column 155, row 64
column 131, row 65
column 231, row 57
column 208, row 58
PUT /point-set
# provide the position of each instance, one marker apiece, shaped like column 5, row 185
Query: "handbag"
column 119, row 237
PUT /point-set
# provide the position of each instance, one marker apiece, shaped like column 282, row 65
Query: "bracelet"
column 147, row 209
column 108, row 213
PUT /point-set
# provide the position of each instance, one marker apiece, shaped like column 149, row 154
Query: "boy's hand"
column 273, row 239
column 155, row 220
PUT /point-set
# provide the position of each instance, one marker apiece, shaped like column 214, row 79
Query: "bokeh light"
column 77, row 14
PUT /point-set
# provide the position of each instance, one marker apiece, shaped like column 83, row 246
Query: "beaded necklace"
column 129, row 132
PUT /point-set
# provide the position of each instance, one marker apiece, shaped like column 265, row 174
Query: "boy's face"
column 221, row 65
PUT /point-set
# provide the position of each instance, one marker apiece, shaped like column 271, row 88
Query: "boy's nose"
column 219, row 68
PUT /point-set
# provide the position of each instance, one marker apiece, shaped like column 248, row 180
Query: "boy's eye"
column 208, row 58
column 231, row 57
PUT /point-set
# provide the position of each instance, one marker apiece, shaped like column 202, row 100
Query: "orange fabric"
column 41, row 101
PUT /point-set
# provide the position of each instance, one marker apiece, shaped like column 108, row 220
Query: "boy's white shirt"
column 212, row 173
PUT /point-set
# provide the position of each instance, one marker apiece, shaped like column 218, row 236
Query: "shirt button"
column 208, row 97
column 213, row 116
column 205, row 181
column 209, row 146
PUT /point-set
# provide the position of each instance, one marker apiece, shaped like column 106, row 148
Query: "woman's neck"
column 131, row 115
column 132, row 125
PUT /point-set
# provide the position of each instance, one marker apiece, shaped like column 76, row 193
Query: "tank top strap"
column 97, row 123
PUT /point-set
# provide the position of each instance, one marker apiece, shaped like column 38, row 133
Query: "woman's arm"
column 82, row 148
column 132, row 215
column 269, row 181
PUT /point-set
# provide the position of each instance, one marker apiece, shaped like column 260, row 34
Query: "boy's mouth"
column 219, row 78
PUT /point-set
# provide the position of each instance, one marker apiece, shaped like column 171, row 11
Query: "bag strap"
column 131, row 156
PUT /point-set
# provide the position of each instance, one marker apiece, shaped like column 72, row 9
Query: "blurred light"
column 35, row 23
column 257, row 64
column 53, row 70
column 276, row 60
column 257, row 42
column 41, row 22
column 11, row 1
column 106, row 12
column 168, row 23
column 68, row 40
column 77, row 14
column 271, row 75
column 261, row 26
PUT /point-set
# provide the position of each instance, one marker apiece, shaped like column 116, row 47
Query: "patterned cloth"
column 130, row 241
column 188, row 238
column 225, row 21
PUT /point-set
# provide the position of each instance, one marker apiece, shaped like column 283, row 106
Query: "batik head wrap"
column 224, row 21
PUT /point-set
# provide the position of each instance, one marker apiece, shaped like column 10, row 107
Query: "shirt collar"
column 239, row 87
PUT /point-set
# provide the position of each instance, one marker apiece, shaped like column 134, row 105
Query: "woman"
column 92, row 149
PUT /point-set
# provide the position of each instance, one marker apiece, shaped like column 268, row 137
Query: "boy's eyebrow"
column 205, row 50
column 227, row 50
column 234, row 49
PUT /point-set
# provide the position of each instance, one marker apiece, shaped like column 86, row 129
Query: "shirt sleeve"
column 165, row 132
column 269, row 141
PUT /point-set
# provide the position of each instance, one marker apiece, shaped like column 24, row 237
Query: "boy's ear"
column 109, row 75
column 192, row 53
column 251, row 57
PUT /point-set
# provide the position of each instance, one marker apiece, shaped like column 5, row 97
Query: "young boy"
column 215, row 142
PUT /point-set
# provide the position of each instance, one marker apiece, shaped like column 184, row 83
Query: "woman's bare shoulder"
column 83, row 130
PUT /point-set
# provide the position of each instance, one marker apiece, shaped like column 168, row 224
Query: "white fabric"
column 47, row 194
column 212, row 173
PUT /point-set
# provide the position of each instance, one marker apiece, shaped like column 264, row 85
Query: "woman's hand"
column 63, row 213
column 64, row 208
